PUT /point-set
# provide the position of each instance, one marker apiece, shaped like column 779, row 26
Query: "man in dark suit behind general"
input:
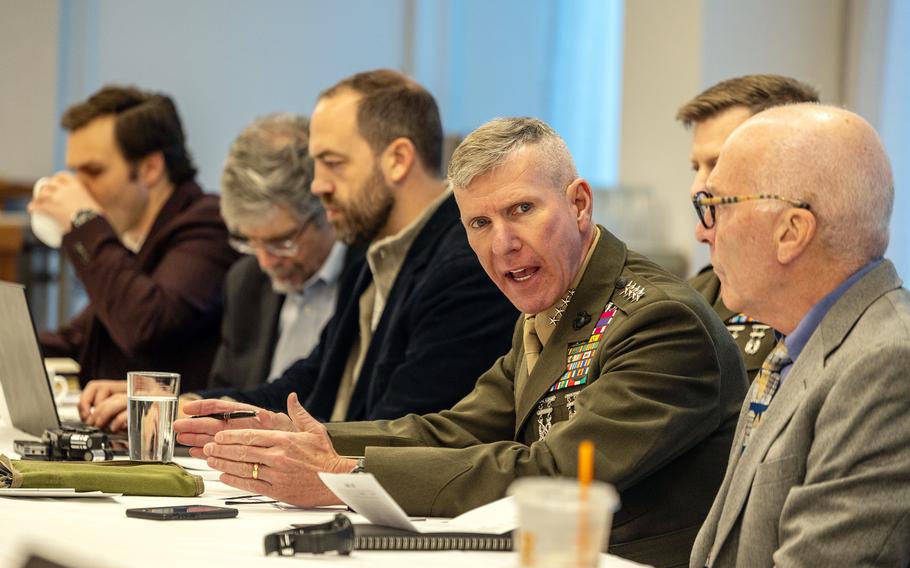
column 147, row 244
column 417, row 320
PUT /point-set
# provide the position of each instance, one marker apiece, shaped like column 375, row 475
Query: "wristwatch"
column 361, row 466
column 82, row 217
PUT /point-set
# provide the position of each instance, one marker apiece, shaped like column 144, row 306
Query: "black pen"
column 228, row 415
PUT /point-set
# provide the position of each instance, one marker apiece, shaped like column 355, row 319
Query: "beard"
column 281, row 284
column 365, row 214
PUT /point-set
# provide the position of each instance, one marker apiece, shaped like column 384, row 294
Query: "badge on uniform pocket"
column 545, row 416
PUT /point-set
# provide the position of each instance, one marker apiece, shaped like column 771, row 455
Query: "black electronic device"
column 67, row 444
column 182, row 513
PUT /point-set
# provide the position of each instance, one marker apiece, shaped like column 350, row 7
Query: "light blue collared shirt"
column 304, row 314
column 797, row 340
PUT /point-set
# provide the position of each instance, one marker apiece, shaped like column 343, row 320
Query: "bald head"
column 830, row 158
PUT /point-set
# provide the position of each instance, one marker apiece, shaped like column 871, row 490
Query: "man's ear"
column 795, row 230
column 581, row 201
column 397, row 160
column 152, row 169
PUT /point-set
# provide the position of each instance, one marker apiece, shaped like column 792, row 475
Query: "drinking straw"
column 585, row 475
column 585, row 465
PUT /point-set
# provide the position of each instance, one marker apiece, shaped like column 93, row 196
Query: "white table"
column 97, row 533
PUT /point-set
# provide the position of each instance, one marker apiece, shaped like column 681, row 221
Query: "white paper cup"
column 61, row 388
column 559, row 524
column 45, row 228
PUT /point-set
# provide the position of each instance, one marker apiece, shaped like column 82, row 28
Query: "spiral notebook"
column 375, row 537
column 488, row 527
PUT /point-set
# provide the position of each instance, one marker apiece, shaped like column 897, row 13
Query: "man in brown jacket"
column 149, row 246
column 610, row 347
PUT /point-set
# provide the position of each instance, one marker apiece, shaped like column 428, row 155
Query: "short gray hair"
column 268, row 166
column 492, row 143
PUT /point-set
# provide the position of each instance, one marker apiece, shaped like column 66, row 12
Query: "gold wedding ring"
column 255, row 471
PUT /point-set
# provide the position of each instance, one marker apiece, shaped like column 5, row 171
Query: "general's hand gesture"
column 197, row 432
column 282, row 465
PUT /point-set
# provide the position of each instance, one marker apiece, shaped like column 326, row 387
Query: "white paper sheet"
column 363, row 493
column 55, row 493
column 497, row 517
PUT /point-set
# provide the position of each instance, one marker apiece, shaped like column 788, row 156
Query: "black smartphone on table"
column 182, row 512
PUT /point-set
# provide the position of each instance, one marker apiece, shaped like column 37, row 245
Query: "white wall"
column 662, row 69
column 28, row 74
column 804, row 39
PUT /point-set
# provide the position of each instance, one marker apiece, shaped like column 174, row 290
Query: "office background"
column 608, row 74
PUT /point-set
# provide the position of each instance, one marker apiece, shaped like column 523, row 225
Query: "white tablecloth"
column 97, row 533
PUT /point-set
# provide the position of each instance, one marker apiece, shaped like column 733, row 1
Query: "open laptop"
column 28, row 392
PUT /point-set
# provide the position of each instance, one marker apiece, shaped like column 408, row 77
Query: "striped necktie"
column 766, row 385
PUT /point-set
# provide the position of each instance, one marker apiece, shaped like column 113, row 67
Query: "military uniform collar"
column 545, row 322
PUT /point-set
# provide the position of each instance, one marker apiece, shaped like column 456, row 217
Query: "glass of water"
column 151, row 414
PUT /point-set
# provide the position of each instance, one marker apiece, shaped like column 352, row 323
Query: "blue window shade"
column 559, row 61
column 586, row 85
column 895, row 117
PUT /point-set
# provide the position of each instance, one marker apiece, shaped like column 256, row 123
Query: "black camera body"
column 78, row 444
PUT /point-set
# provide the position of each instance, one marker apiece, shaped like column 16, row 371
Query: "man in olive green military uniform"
column 712, row 116
column 610, row 348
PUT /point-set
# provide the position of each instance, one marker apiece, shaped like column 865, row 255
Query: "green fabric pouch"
column 127, row 477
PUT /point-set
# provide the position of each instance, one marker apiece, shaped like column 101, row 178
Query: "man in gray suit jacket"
column 796, row 213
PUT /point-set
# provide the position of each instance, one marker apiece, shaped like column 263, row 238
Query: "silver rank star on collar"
column 561, row 306
column 633, row 292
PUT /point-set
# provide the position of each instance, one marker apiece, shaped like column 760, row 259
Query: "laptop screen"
column 26, row 388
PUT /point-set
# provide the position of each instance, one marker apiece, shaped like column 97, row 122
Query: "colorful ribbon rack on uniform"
column 740, row 319
column 580, row 354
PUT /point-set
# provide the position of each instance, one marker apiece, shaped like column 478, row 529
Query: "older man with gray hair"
column 610, row 348
column 277, row 300
column 796, row 213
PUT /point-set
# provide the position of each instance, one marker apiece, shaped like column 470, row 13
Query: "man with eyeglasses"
column 796, row 213
column 279, row 299
column 712, row 115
